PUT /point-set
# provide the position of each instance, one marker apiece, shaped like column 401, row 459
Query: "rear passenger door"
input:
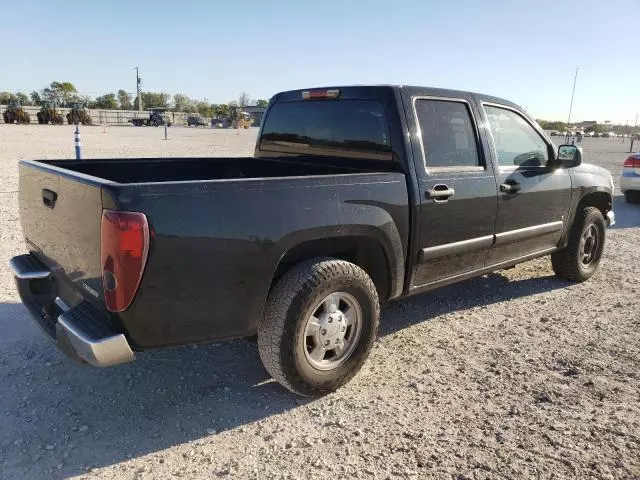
column 534, row 198
column 458, row 190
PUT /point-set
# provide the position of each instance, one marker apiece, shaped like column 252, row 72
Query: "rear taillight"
column 633, row 162
column 124, row 248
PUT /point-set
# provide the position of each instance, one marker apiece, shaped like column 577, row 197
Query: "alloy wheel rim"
column 332, row 331
column 589, row 245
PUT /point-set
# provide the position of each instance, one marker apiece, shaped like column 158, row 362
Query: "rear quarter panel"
column 216, row 245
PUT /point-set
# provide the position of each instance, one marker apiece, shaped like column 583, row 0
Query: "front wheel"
column 580, row 259
column 319, row 325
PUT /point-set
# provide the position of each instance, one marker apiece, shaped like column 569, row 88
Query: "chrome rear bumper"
column 81, row 331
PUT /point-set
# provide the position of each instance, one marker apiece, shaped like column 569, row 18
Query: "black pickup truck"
column 355, row 196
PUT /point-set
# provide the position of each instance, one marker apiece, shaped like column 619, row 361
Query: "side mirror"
column 568, row 156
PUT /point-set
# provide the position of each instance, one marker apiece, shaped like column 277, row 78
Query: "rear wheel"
column 632, row 196
column 580, row 259
column 319, row 325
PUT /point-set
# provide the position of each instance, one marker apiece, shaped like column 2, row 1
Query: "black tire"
column 282, row 341
column 632, row 196
column 580, row 259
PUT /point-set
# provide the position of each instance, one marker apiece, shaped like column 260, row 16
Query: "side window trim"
column 479, row 147
column 536, row 128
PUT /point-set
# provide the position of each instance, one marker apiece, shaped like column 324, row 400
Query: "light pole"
column 138, row 90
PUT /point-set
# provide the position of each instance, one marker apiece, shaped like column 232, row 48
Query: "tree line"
column 595, row 127
column 65, row 94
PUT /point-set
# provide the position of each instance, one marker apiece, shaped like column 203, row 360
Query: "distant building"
column 587, row 123
column 256, row 114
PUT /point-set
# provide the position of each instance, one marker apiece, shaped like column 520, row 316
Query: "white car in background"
column 630, row 179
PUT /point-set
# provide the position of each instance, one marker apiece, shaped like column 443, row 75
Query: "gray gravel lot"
column 516, row 374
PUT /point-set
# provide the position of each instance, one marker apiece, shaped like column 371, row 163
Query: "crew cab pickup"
column 355, row 196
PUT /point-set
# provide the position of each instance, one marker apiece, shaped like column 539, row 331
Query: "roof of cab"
column 412, row 90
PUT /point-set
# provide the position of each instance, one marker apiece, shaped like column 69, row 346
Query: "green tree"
column 63, row 93
column 153, row 100
column 182, row 103
column 243, row 100
column 124, row 99
column 84, row 100
column 222, row 110
column 558, row 126
column 106, row 102
column 24, row 98
column 205, row 109
column 6, row 97
column 36, row 99
column 262, row 103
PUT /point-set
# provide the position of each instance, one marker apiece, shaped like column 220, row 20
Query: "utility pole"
column 138, row 90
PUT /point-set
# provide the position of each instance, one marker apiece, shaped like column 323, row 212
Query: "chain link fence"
column 108, row 117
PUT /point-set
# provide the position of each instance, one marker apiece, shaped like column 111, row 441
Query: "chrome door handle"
column 440, row 193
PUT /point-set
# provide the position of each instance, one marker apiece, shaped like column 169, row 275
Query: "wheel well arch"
column 366, row 252
column 600, row 200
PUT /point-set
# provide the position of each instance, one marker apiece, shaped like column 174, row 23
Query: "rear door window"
column 345, row 128
column 448, row 134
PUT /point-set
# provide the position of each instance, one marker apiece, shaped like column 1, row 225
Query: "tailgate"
column 61, row 212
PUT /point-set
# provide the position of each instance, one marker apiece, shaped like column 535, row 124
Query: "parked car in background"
column 630, row 179
column 157, row 116
column 196, row 121
column 219, row 122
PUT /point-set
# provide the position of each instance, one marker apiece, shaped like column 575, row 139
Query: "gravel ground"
column 516, row 374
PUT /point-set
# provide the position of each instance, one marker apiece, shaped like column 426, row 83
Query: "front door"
column 533, row 198
column 459, row 195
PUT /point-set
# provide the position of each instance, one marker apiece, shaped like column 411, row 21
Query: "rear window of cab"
column 342, row 128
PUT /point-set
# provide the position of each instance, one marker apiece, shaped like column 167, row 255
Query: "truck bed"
column 153, row 170
column 219, row 228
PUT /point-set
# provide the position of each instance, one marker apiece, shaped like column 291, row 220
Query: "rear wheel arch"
column 366, row 252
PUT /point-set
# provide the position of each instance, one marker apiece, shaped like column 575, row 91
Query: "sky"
column 524, row 51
